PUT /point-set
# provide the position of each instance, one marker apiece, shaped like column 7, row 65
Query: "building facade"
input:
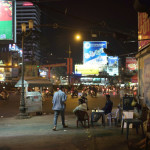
column 26, row 11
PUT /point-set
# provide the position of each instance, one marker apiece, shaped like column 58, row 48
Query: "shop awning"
column 34, row 83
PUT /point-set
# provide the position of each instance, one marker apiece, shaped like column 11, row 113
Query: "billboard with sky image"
column 93, row 52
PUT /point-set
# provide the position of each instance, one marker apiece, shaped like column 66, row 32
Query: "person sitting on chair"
column 82, row 106
column 108, row 106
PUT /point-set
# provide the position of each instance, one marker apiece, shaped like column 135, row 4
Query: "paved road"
column 10, row 107
column 36, row 132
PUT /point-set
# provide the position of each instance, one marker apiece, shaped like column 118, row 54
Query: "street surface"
column 36, row 132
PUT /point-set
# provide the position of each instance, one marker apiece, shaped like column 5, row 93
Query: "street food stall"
column 33, row 99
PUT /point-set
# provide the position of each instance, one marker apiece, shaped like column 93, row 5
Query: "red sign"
column 27, row 4
column 69, row 65
column 131, row 63
column 5, row 11
column 143, row 29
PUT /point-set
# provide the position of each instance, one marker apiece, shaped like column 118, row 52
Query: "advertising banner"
column 69, row 65
column 131, row 63
column 143, row 29
column 94, row 52
column 6, row 20
column 2, row 74
column 86, row 70
column 147, row 82
column 112, row 68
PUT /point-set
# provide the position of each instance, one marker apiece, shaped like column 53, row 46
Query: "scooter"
column 92, row 93
column 74, row 93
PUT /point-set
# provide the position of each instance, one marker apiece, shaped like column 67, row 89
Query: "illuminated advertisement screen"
column 2, row 77
column 86, row 70
column 43, row 73
column 112, row 68
column 6, row 20
column 14, row 47
column 93, row 52
column 131, row 63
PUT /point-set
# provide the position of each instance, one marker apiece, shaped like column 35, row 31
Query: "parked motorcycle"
column 74, row 93
column 93, row 93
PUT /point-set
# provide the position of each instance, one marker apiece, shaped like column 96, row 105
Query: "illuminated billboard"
column 86, row 70
column 131, row 63
column 94, row 52
column 143, row 29
column 7, row 21
column 112, row 68
column 43, row 72
column 14, row 47
column 2, row 75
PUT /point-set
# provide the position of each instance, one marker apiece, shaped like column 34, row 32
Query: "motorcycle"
column 74, row 93
column 93, row 93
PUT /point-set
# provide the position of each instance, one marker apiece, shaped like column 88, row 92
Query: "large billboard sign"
column 112, row 68
column 86, row 70
column 143, row 30
column 94, row 52
column 131, row 63
column 7, row 21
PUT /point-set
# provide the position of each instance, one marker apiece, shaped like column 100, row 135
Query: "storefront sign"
column 131, row 63
column 147, row 82
column 143, row 29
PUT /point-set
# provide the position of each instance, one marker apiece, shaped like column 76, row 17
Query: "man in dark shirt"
column 108, row 106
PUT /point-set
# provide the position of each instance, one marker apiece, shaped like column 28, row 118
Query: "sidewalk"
column 36, row 133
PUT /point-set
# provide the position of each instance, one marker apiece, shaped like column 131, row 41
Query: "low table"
column 136, row 122
column 96, row 115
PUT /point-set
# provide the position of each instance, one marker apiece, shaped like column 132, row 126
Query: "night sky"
column 112, row 21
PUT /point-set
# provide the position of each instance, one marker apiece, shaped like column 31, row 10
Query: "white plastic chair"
column 113, row 116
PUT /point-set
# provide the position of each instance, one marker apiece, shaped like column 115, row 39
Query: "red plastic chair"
column 82, row 116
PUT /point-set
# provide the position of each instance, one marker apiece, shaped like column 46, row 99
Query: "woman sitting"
column 82, row 106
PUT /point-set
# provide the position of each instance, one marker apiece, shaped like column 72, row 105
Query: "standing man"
column 58, row 101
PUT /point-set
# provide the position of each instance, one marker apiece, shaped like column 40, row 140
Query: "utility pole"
column 69, row 65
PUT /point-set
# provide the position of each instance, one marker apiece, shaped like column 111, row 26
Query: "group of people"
column 59, row 105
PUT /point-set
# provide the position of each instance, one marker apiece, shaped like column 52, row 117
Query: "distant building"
column 26, row 11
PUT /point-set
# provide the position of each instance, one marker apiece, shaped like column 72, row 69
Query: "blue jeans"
column 56, row 114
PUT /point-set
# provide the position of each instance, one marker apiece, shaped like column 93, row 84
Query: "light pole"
column 22, row 107
column 77, row 38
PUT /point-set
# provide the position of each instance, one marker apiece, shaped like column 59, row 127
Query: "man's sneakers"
column 65, row 126
column 54, row 129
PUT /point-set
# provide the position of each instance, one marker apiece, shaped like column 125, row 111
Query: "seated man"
column 82, row 106
column 108, row 106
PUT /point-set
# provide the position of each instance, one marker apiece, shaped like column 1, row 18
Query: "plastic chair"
column 82, row 116
column 113, row 116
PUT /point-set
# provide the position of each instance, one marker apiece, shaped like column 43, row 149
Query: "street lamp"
column 22, row 108
column 77, row 38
